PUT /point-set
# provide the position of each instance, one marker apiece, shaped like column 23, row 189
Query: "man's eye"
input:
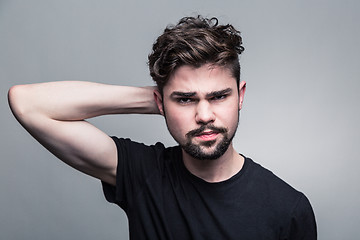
column 220, row 97
column 184, row 100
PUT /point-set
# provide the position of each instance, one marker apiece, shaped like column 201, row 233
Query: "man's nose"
column 204, row 113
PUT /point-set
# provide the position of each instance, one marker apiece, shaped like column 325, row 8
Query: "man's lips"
column 207, row 135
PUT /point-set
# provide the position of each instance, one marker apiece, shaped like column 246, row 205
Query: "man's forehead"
column 205, row 79
column 206, row 70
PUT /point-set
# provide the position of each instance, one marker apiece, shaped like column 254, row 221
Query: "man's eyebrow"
column 182, row 94
column 219, row 93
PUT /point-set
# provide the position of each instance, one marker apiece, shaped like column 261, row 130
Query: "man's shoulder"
column 281, row 200
column 268, row 182
column 129, row 148
column 132, row 144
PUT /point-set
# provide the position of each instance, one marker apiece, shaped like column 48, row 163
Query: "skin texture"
column 194, row 100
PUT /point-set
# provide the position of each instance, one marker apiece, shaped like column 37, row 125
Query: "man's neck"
column 216, row 170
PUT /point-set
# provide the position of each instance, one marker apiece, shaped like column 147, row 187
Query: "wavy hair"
column 195, row 41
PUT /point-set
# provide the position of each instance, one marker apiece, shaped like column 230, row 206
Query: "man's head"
column 196, row 67
column 195, row 41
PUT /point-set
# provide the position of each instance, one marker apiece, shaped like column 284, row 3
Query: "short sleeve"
column 302, row 225
column 136, row 162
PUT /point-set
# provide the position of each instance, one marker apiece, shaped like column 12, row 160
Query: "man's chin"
column 206, row 150
column 208, row 144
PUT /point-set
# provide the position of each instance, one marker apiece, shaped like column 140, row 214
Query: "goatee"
column 197, row 150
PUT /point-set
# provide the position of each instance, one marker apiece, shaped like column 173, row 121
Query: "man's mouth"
column 207, row 135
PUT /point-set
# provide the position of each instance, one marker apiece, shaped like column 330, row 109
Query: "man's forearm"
column 75, row 100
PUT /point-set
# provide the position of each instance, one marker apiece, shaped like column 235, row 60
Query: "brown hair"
column 195, row 41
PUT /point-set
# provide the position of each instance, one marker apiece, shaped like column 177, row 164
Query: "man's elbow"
column 17, row 101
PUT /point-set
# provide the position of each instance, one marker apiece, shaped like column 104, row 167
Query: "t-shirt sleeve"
column 136, row 162
column 302, row 225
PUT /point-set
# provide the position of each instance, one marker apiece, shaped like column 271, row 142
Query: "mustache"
column 211, row 127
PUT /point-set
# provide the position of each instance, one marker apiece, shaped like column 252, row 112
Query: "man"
column 201, row 189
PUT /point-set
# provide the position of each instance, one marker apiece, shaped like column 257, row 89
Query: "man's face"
column 201, row 107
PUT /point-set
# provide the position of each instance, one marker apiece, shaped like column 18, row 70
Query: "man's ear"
column 242, row 88
column 159, row 101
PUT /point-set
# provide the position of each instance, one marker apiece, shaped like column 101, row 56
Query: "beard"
column 198, row 151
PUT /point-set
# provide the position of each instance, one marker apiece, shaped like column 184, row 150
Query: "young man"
column 201, row 189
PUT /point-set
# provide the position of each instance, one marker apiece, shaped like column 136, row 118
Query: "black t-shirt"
column 163, row 200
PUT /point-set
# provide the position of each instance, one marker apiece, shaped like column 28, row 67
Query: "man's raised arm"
column 54, row 113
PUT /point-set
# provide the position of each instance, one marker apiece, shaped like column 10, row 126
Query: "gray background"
column 300, row 117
